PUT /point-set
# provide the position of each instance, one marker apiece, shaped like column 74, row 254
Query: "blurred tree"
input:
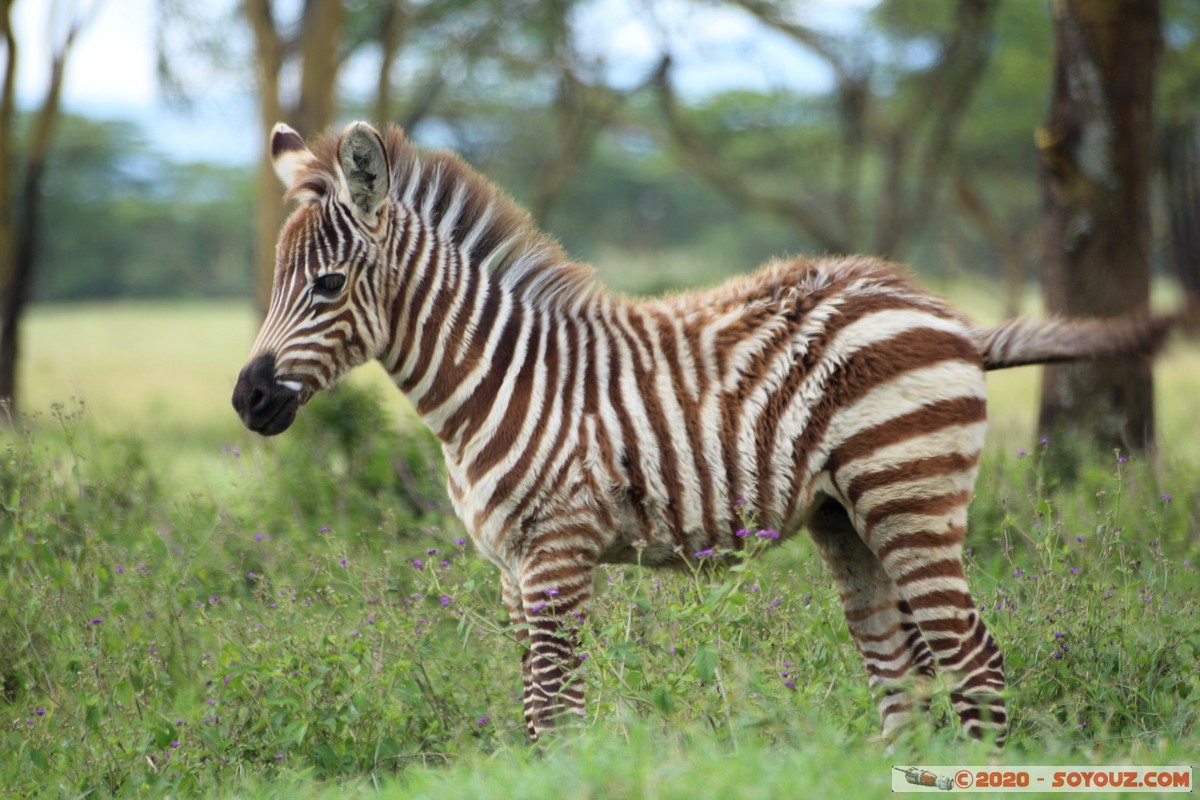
column 312, row 49
column 1097, row 157
column 1179, row 142
column 19, row 227
column 897, row 122
column 113, row 207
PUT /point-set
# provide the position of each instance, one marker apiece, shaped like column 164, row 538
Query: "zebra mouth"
column 265, row 403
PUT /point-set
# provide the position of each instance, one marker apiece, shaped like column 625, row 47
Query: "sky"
column 111, row 70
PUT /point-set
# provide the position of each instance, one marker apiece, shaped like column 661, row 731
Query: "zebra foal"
column 832, row 395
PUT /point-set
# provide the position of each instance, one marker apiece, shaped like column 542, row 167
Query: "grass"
column 189, row 610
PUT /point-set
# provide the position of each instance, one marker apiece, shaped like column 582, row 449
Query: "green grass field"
column 189, row 610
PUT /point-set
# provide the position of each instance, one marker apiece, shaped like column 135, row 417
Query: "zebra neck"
column 463, row 341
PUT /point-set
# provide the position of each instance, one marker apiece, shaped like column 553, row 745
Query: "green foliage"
column 121, row 220
column 163, row 641
column 342, row 462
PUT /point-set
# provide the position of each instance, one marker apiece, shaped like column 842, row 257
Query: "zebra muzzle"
column 265, row 404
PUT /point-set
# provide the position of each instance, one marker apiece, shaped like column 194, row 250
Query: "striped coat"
column 580, row 428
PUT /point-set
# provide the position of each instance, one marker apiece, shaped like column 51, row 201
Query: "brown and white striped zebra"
column 581, row 428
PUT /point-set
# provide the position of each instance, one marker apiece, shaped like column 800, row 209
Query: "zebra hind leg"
column 918, row 540
column 899, row 663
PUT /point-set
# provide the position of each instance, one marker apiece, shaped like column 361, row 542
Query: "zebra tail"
column 1045, row 341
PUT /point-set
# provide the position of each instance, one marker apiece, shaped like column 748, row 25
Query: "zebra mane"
column 460, row 203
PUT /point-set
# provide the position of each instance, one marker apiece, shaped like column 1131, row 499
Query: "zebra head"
column 324, row 316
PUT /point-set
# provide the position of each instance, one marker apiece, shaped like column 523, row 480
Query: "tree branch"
column 729, row 181
column 947, row 93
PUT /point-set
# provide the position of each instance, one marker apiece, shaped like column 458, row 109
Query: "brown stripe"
column 450, row 376
column 944, row 464
column 672, row 347
column 520, row 405
column 946, row 568
column 939, row 506
column 471, row 414
column 630, row 462
column 422, row 281
column 663, row 441
column 435, row 337
column 927, row 419
column 916, row 540
column 879, row 637
column 508, row 482
column 941, row 598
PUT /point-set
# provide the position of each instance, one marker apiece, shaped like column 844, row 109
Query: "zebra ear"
column 365, row 169
column 288, row 154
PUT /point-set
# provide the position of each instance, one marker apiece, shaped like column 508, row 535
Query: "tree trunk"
column 317, row 46
column 1097, row 155
column 1180, row 161
column 20, row 231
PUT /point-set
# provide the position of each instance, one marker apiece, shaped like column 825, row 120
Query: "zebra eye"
column 329, row 283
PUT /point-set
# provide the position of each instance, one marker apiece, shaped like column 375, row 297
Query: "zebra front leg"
column 556, row 586
column 511, row 593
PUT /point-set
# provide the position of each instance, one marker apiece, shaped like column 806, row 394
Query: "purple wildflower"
column 768, row 534
column 96, row 620
column 708, row 551
column 552, row 592
column 791, row 684
column 120, row 569
column 1021, row 453
column 445, row 600
column 1081, row 538
column 41, row 712
column 1166, row 498
column 460, row 541
column 325, row 529
column 416, row 562
column 482, row 720
column 538, row 607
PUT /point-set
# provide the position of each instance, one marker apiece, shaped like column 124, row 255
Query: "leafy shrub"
column 344, row 462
